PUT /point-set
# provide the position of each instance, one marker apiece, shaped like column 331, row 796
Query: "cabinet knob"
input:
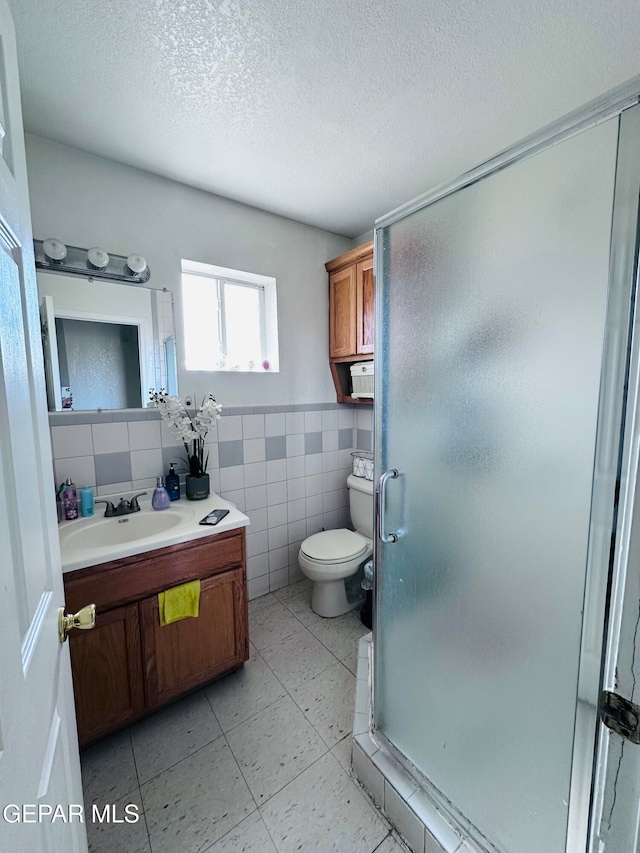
column 83, row 619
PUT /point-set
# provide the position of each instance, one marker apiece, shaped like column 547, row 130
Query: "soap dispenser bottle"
column 173, row 483
column 160, row 499
column 70, row 500
column 86, row 502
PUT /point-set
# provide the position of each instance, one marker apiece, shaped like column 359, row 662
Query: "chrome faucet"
column 125, row 507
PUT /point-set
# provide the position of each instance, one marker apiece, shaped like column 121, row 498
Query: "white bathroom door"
column 39, row 765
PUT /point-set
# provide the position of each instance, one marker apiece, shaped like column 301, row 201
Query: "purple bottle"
column 160, row 499
column 70, row 500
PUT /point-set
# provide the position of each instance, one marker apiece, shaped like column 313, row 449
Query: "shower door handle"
column 391, row 474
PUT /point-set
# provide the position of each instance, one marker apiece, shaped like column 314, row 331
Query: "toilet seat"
column 327, row 559
column 331, row 547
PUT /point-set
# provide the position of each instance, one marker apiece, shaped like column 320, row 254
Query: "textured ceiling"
column 328, row 112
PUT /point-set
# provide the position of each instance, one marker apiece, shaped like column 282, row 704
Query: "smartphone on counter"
column 215, row 516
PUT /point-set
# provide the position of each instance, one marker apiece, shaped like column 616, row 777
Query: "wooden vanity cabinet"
column 180, row 656
column 351, row 315
column 129, row 664
column 107, row 673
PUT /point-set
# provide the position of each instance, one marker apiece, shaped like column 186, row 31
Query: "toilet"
column 332, row 556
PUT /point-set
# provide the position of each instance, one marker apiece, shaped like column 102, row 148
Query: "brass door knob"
column 83, row 619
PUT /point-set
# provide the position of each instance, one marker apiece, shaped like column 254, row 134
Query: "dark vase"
column 198, row 487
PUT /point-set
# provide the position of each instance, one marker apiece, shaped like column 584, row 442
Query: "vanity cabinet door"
column 107, row 673
column 180, row 656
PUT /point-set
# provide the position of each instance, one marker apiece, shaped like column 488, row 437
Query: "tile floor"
column 258, row 761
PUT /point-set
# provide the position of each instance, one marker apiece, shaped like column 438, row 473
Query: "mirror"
column 105, row 343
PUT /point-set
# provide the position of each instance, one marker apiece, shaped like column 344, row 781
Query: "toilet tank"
column 361, row 504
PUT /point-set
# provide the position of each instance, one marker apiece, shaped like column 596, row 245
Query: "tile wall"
column 285, row 468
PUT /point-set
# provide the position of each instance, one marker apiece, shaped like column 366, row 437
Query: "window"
column 230, row 319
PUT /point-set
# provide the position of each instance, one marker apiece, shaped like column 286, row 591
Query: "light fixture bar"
column 131, row 268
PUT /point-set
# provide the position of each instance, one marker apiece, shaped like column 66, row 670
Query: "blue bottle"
column 173, row 484
column 160, row 499
column 86, row 502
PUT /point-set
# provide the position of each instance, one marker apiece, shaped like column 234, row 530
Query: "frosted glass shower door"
column 492, row 317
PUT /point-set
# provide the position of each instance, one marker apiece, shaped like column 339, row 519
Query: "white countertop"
column 185, row 516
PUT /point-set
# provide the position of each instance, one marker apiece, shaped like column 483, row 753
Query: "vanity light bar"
column 52, row 254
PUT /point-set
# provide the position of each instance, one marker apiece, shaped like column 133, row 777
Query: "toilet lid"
column 334, row 545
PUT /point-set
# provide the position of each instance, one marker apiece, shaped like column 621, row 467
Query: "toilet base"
column 329, row 598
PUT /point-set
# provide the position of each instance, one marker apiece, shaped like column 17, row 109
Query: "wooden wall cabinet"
column 129, row 664
column 342, row 312
column 351, row 316
column 365, row 306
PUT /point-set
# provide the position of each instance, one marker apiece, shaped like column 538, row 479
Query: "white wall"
column 86, row 201
column 362, row 239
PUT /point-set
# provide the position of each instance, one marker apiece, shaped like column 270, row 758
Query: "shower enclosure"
column 504, row 317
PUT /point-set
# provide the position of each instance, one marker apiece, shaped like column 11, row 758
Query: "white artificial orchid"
column 191, row 431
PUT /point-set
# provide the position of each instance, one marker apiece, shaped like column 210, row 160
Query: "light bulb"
column 54, row 249
column 98, row 258
column 136, row 264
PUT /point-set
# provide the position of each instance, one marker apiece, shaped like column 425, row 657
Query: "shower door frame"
column 618, row 401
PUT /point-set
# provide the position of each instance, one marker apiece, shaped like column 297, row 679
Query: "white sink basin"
column 103, row 532
column 90, row 541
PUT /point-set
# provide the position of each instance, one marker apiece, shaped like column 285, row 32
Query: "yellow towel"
column 179, row 602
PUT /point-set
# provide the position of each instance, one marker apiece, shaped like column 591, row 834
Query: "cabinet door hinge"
column 246, row 647
column 244, row 576
column 620, row 715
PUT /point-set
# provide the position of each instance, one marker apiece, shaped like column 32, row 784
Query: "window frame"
column 266, row 287
column 222, row 314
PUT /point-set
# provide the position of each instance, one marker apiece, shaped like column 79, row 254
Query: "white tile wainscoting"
column 285, row 467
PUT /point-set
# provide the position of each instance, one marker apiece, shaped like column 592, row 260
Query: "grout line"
column 257, row 714
column 383, row 841
column 190, row 755
column 204, row 691
column 348, row 735
column 366, row 795
column 315, row 761
column 240, row 771
column 100, row 743
column 320, row 736
column 146, row 824
column 264, row 823
column 235, row 826
column 267, row 603
column 302, row 683
column 258, row 806
column 133, row 754
column 243, row 776
column 313, row 635
column 135, row 764
column 281, row 640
